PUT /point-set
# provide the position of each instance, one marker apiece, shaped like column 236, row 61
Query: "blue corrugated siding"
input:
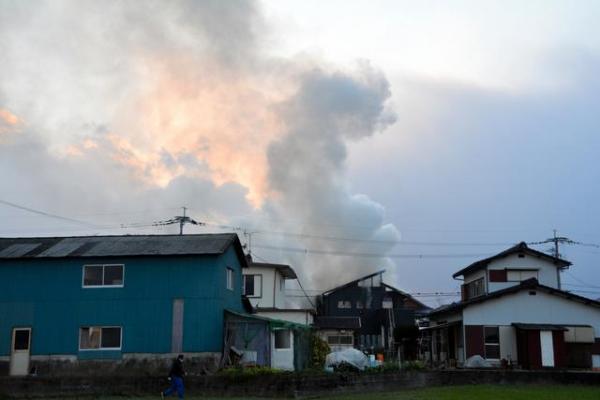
column 47, row 295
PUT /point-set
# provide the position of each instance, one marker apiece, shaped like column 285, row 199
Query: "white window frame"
column 103, row 348
column 344, row 304
column 339, row 340
column 230, row 279
column 103, row 286
column 254, row 296
column 520, row 271
column 491, row 344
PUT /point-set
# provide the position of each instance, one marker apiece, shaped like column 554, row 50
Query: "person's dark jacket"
column 177, row 369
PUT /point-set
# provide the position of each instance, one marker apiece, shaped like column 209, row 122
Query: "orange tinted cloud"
column 224, row 120
column 8, row 121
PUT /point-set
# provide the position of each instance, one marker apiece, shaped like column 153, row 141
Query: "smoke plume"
column 124, row 106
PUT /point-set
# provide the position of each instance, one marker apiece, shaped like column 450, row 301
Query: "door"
column 282, row 345
column 19, row 356
column 547, row 348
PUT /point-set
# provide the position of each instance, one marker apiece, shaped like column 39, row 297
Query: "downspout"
column 274, row 286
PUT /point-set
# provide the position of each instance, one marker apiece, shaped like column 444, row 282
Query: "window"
column 100, row 338
column 282, row 339
column 340, row 340
column 387, row 302
column 497, row 275
column 344, row 304
column 229, row 278
column 253, row 285
column 492, row 342
column 103, row 275
column 475, row 288
column 516, row 275
column 21, row 339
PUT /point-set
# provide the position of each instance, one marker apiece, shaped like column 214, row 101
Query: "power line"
column 366, row 255
column 47, row 214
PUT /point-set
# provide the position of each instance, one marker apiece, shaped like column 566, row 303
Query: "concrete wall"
column 283, row 385
column 47, row 295
column 541, row 308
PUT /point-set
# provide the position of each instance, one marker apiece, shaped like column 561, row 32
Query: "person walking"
column 176, row 375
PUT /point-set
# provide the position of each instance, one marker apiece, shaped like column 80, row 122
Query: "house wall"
column 547, row 271
column 273, row 295
column 47, row 295
column 299, row 316
column 522, row 307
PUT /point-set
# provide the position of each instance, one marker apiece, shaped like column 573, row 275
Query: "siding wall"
column 48, row 296
column 541, row 308
column 546, row 270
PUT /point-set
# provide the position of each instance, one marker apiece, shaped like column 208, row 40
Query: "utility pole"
column 182, row 221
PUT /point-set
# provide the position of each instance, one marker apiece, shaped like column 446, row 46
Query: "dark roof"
column 119, row 246
column 423, row 306
column 285, row 270
column 345, row 285
column 539, row 327
column 337, row 322
column 529, row 284
column 519, row 248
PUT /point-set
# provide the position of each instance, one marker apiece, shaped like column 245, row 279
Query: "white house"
column 264, row 286
column 514, row 311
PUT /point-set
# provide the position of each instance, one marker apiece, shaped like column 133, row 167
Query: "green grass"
column 474, row 392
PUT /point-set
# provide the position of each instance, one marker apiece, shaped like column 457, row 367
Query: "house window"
column 492, row 342
column 282, row 339
column 229, row 278
column 497, row 275
column 107, row 275
column 253, row 285
column 344, row 304
column 516, row 275
column 340, row 340
column 475, row 288
column 100, row 338
column 387, row 302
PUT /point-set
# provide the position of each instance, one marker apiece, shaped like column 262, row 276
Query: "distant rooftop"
column 519, row 248
column 118, row 246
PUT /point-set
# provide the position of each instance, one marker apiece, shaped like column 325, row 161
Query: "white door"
column 19, row 356
column 282, row 345
column 547, row 348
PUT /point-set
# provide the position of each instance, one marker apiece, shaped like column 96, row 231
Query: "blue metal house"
column 68, row 299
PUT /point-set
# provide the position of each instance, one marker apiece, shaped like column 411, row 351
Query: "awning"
column 273, row 323
column 539, row 327
column 446, row 325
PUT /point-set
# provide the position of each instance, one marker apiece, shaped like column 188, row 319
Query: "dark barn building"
column 387, row 315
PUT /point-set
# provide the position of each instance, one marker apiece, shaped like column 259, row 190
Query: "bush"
column 318, row 352
column 413, row 366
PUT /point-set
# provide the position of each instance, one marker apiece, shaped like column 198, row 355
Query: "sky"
column 342, row 137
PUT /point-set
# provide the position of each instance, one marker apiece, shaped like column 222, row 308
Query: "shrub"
column 318, row 352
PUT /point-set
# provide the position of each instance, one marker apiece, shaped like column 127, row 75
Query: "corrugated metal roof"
column 18, row 249
column 117, row 246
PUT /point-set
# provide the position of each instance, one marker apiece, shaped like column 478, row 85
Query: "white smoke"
column 111, row 108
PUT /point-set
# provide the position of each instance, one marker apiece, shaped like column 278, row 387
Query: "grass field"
column 475, row 392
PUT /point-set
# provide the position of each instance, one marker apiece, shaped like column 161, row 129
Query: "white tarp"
column 353, row 357
column 477, row 362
